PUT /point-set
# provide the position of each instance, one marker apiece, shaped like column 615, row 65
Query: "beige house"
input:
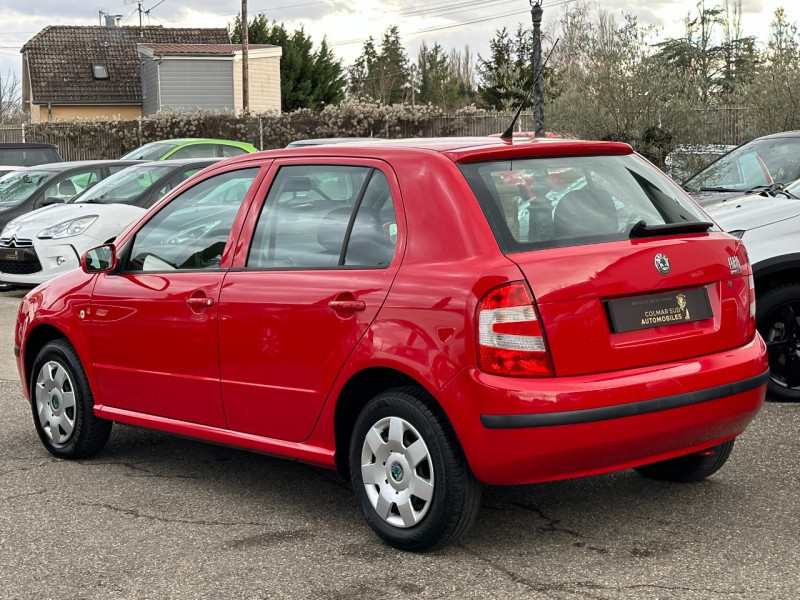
column 208, row 76
column 98, row 72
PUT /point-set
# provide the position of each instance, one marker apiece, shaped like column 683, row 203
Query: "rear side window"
column 325, row 216
column 228, row 150
column 568, row 201
column 195, row 151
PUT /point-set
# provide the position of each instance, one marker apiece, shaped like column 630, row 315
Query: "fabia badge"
column 662, row 264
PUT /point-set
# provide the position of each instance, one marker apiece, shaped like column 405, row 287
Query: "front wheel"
column 62, row 404
column 409, row 473
column 692, row 467
column 778, row 322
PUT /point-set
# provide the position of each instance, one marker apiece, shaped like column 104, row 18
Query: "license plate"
column 10, row 254
column 644, row 312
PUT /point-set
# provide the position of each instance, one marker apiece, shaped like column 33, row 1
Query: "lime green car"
column 189, row 148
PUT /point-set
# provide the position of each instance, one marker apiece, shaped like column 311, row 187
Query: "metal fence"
column 725, row 125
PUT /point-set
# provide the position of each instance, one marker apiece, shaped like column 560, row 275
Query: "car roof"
column 177, row 162
column 195, row 141
column 73, row 164
column 458, row 149
column 781, row 134
column 24, row 145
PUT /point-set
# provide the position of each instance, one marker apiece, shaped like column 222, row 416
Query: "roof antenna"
column 508, row 134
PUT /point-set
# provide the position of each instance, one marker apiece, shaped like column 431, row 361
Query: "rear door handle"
column 348, row 305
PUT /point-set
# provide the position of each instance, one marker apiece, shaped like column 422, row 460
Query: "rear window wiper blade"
column 642, row 229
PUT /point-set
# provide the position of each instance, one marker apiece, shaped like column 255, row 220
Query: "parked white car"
column 47, row 242
column 768, row 224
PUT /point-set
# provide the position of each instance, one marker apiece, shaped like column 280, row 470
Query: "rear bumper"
column 517, row 431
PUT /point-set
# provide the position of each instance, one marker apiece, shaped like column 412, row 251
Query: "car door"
column 154, row 323
column 319, row 265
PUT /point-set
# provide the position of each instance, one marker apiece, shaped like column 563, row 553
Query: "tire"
column 777, row 314
column 692, row 467
column 63, row 405
column 409, row 473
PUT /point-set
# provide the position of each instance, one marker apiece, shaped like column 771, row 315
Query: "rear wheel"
column 778, row 321
column 409, row 473
column 62, row 404
column 692, row 467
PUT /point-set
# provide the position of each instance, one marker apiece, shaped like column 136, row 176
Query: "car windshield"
column 152, row 151
column 124, row 186
column 762, row 162
column 17, row 186
column 574, row 200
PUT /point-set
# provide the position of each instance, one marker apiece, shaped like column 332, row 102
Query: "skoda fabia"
column 409, row 313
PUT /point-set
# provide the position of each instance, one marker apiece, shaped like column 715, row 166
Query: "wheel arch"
column 776, row 271
column 360, row 389
column 38, row 337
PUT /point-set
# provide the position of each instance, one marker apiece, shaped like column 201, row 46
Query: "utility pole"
column 538, row 90
column 245, row 62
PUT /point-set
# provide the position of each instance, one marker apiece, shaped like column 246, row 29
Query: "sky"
column 348, row 23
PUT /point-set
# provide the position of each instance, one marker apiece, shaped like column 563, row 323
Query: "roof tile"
column 60, row 60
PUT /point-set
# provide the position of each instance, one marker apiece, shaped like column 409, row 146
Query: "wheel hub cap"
column 396, row 471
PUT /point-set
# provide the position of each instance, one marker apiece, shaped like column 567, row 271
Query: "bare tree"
column 10, row 103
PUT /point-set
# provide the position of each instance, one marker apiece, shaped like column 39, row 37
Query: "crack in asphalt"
column 137, row 514
column 552, row 524
column 26, row 495
column 149, row 472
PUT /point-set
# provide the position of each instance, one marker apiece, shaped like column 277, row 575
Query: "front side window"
column 17, row 186
column 574, row 200
column 324, row 216
column 192, row 230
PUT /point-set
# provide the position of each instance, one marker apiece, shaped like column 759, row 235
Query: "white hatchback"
column 47, row 242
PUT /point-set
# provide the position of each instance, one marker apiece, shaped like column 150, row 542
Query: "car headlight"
column 67, row 228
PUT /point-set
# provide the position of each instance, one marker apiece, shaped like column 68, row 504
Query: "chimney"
column 113, row 20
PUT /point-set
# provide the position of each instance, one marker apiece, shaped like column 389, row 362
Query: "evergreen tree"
column 507, row 73
column 382, row 75
column 309, row 79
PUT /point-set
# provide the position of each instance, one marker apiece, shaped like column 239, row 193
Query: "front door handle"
column 348, row 305
column 200, row 302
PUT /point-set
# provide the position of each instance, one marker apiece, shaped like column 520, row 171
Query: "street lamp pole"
column 538, row 90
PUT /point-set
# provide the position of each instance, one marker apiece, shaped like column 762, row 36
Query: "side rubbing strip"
column 619, row 411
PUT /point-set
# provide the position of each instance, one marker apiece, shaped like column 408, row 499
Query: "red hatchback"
column 409, row 313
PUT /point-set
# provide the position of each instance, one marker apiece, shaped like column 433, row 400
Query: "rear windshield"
column 151, row 151
column 27, row 157
column 574, row 200
column 126, row 185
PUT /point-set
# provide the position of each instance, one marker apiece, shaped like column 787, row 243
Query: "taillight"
column 510, row 337
column 751, row 328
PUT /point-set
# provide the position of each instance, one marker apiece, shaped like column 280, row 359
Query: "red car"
column 395, row 310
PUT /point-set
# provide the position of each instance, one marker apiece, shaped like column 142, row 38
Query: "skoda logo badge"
column 662, row 264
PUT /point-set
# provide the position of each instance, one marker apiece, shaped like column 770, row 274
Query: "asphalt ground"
column 158, row 516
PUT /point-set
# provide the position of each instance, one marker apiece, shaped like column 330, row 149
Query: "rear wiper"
column 642, row 229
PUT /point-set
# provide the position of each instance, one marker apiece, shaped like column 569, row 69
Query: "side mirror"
column 99, row 260
column 51, row 201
